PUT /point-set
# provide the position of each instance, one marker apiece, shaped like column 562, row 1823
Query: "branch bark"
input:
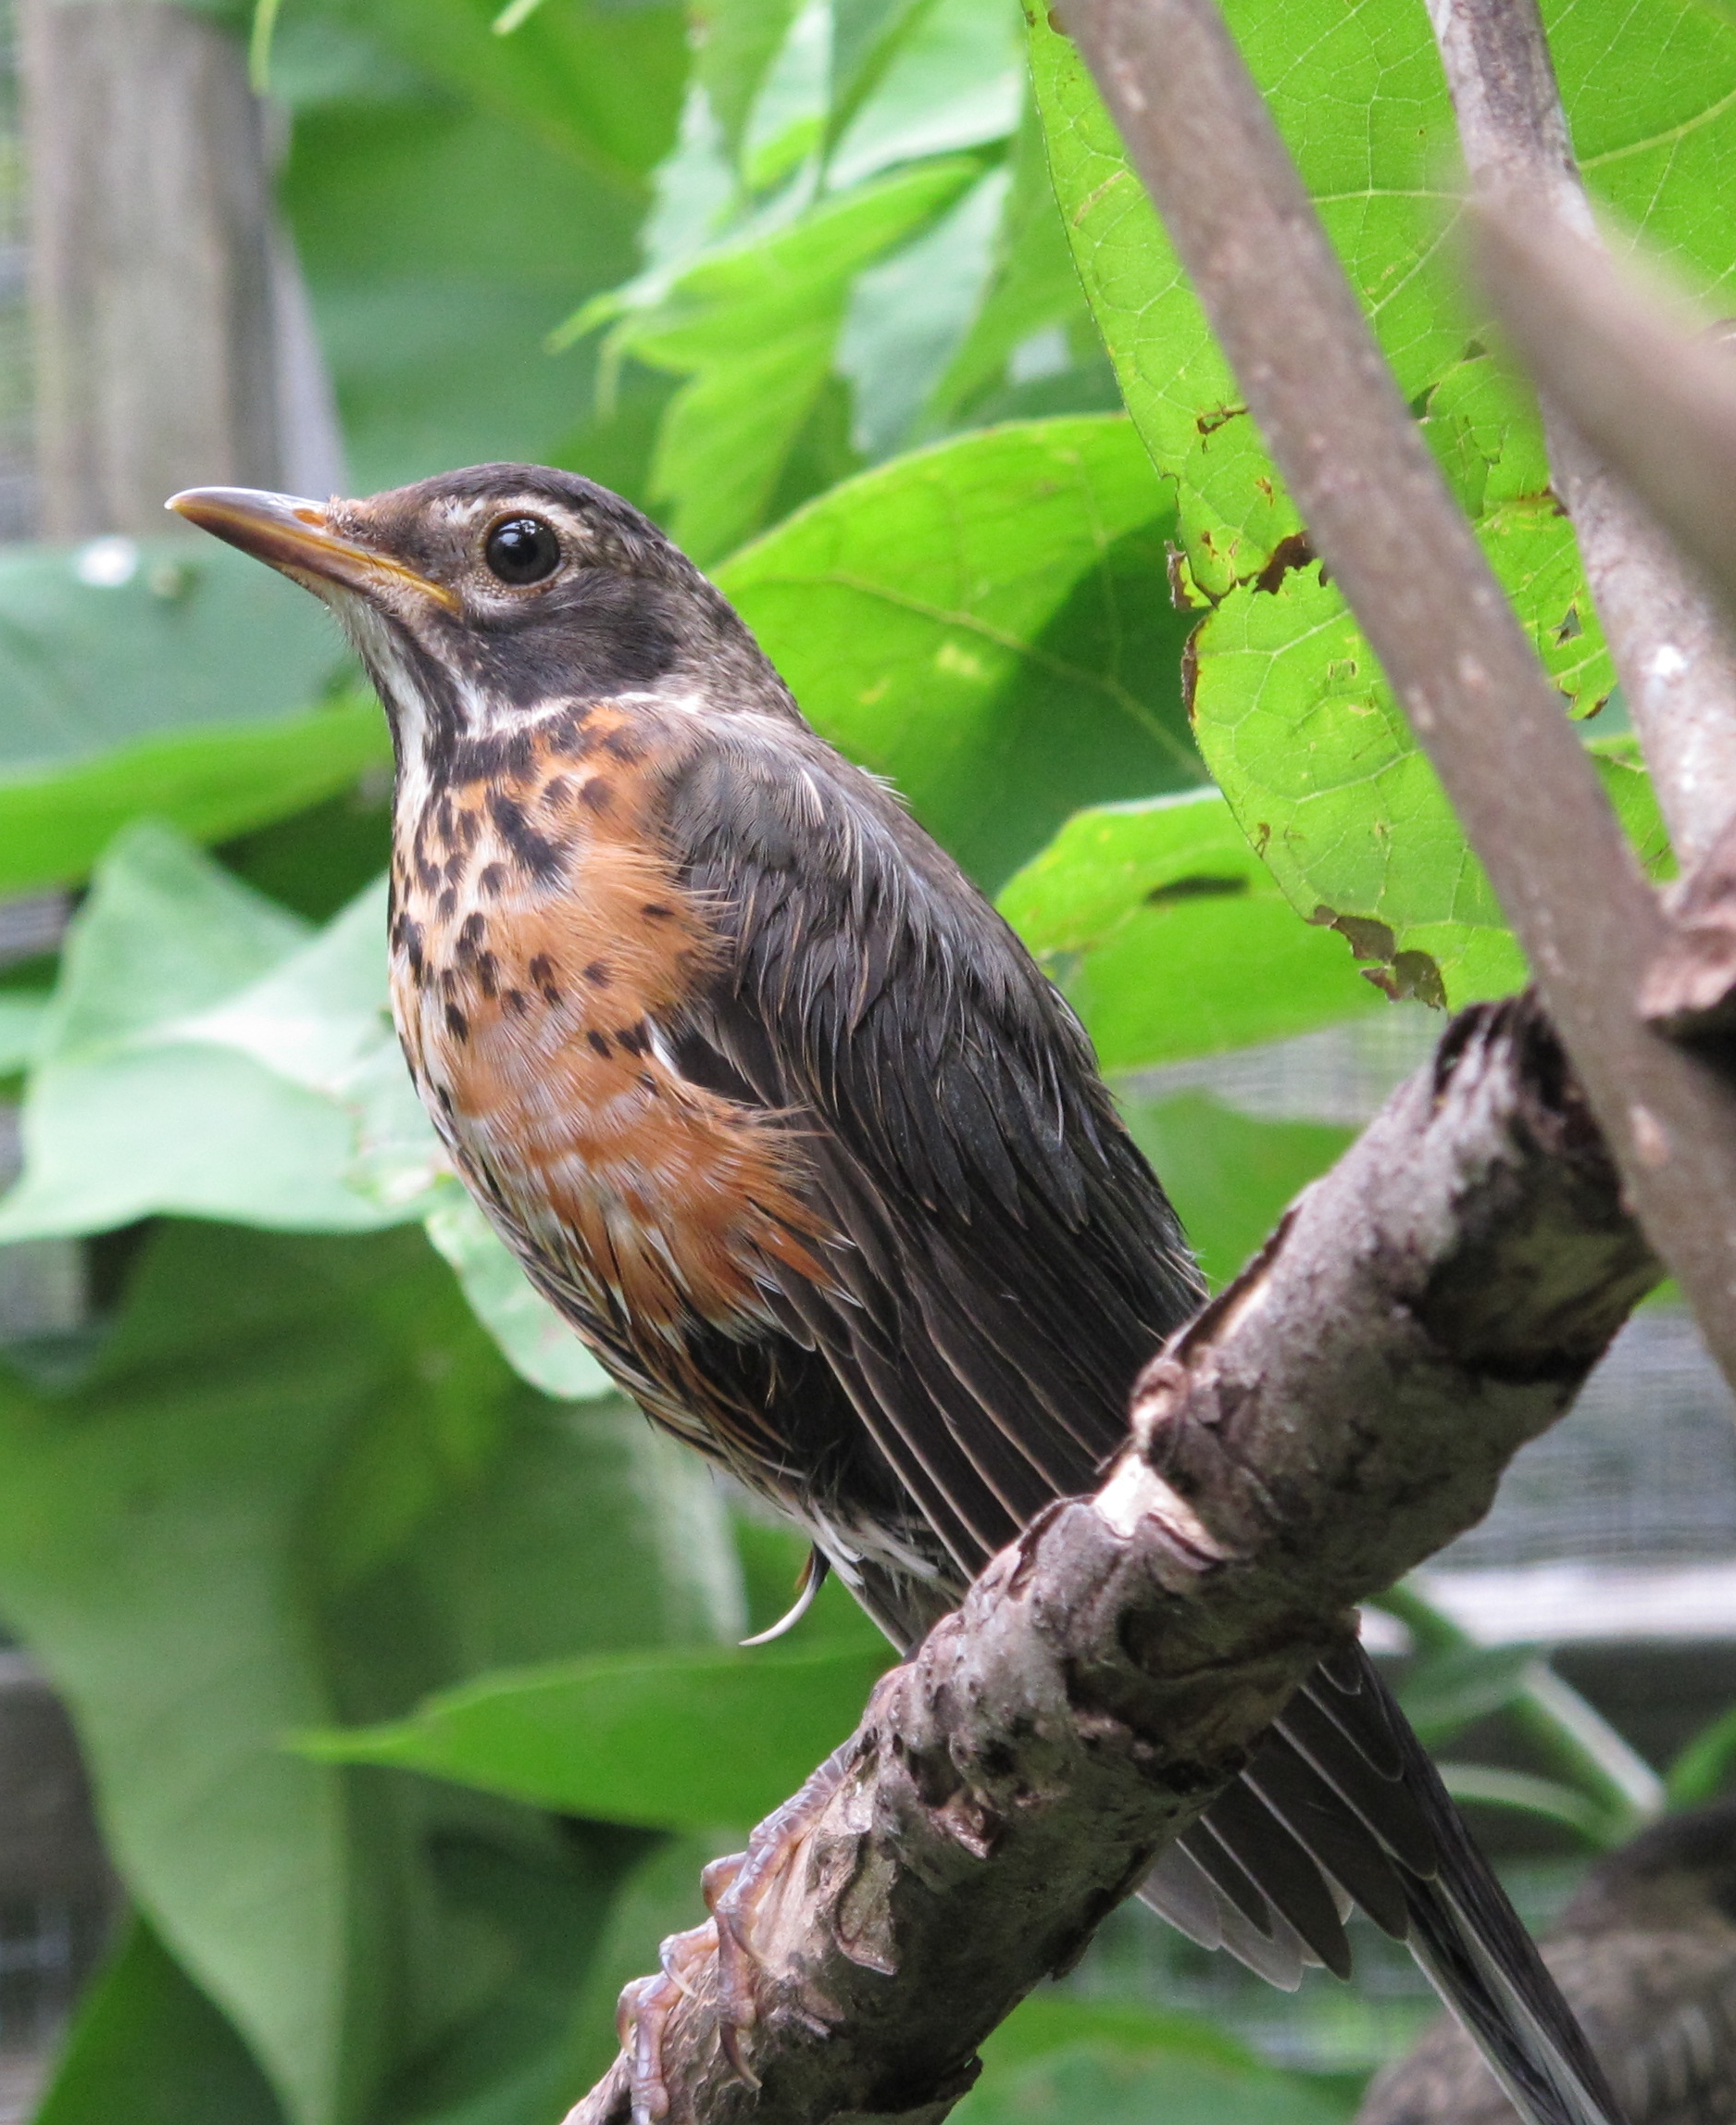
column 1343, row 1409
column 1671, row 646
column 1381, row 514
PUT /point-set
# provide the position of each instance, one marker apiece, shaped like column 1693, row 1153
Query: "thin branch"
column 1669, row 640
column 1339, row 1414
column 1380, row 513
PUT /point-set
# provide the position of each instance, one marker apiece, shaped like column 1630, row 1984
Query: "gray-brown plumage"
column 1645, row 1954
column 778, row 1111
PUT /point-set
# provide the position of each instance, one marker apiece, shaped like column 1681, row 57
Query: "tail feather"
column 1345, row 1778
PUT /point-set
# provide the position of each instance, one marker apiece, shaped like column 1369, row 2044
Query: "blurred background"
column 369, row 1699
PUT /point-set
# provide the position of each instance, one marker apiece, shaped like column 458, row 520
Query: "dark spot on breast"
column 598, row 1042
column 491, row 878
column 541, row 970
column 655, row 911
column 556, row 791
column 444, row 1096
column 453, row 866
column 442, row 819
column 448, row 981
column 634, row 1038
column 596, row 794
column 470, row 826
column 597, row 974
column 428, row 876
column 517, row 1002
column 488, row 974
column 457, row 1025
column 472, row 933
column 541, row 856
column 447, row 905
column 624, row 746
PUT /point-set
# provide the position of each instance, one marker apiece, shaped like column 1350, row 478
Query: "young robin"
column 779, row 1113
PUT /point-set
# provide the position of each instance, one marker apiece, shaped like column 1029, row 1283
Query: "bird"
column 777, row 1112
column 1645, row 1953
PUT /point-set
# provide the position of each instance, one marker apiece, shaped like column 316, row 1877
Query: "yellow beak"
column 292, row 535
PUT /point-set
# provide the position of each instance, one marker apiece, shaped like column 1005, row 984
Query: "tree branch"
column 1380, row 513
column 1671, row 646
column 1343, row 1409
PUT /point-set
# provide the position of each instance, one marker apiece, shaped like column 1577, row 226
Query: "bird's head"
column 482, row 601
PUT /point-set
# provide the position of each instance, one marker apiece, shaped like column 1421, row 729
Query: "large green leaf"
column 115, row 641
column 148, row 2042
column 1170, row 937
column 1058, row 2058
column 754, row 326
column 672, row 1741
column 298, row 1485
column 212, row 783
column 1290, row 712
column 1311, row 749
column 987, row 623
column 161, row 677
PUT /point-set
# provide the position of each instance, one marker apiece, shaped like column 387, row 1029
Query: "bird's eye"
column 522, row 550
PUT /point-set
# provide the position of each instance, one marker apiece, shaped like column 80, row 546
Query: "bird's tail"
column 1485, row 1966
column 1341, row 1804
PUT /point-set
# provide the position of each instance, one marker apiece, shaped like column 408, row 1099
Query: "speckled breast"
column 539, row 945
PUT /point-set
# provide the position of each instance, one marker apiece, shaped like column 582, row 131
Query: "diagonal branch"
column 1381, row 515
column 1341, row 1411
column 1670, row 643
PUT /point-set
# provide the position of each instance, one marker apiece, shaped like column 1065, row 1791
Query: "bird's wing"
column 1008, row 1260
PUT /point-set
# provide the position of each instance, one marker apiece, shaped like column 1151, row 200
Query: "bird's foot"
column 735, row 1889
column 644, row 2012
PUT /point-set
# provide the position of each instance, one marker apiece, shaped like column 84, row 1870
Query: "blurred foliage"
column 401, row 1650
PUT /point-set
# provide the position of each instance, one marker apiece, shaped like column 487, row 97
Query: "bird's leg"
column 734, row 1888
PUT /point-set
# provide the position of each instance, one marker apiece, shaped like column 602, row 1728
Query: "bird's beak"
column 294, row 536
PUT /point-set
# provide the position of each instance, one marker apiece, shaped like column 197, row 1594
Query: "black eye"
column 522, row 550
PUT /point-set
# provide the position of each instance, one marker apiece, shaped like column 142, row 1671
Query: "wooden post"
column 171, row 343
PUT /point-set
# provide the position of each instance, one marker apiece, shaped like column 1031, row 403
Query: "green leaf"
column 1170, row 937
column 1520, row 1792
column 167, row 679
column 211, row 783
column 1050, row 2019
column 133, row 1108
column 986, row 622
column 118, row 640
column 297, row 1486
column 754, row 326
column 23, row 1017
column 147, row 2044
column 953, row 79
column 1312, row 752
column 1114, row 2072
column 672, row 1741
column 1292, row 715
column 1229, row 1176
column 1449, row 1691
column 1701, row 1770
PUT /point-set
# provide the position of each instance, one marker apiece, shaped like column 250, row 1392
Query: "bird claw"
column 734, row 1888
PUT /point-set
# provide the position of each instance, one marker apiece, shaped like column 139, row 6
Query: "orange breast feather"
column 530, row 995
